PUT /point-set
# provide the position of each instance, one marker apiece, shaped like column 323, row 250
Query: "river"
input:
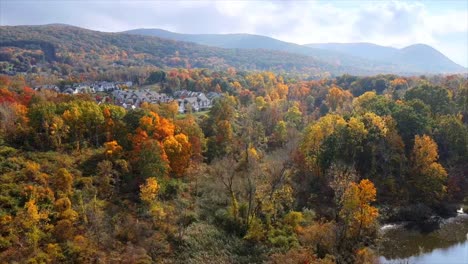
column 447, row 245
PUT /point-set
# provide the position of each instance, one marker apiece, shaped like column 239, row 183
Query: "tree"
column 294, row 115
column 156, row 127
column 112, row 149
column 279, row 136
column 410, row 122
column 357, row 213
column 169, row 110
column 436, row 97
column 106, row 178
column 219, row 127
column 113, row 116
column 149, row 190
column 63, row 182
column 178, row 151
column 452, row 138
column 371, row 102
column 314, row 137
column 337, row 98
column 67, row 216
column 29, row 220
column 14, row 121
column 151, row 159
column 156, row 77
column 72, row 118
column 190, row 127
column 148, row 194
column 282, row 90
column 427, row 177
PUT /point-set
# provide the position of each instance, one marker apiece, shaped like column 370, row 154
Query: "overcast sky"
column 441, row 24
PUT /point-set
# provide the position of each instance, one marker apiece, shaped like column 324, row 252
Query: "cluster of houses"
column 121, row 95
column 134, row 98
column 88, row 87
column 187, row 100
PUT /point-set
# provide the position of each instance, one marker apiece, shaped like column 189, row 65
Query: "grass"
column 195, row 114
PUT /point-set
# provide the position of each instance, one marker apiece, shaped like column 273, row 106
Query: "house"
column 104, row 86
column 196, row 101
column 70, row 90
column 83, row 88
column 47, row 87
column 137, row 97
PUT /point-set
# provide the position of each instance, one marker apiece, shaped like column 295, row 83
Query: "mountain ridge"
column 82, row 47
column 345, row 53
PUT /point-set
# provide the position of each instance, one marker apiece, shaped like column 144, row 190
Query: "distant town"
column 126, row 95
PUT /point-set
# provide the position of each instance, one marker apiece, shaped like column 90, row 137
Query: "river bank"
column 420, row 217
column 448, row 244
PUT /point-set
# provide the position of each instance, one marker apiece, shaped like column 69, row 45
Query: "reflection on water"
column 447, row 245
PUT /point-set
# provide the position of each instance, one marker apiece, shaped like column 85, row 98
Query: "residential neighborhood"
column 88, row 87
column 120, row 94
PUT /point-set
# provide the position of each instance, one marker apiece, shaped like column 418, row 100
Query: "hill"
column 82, row 48
column 67, row 49
column 249, row 41
column 235, row 41
column 421, row 57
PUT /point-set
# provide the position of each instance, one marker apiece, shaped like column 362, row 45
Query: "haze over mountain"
column 415, row 58
column 81, row 48
column 249, row 41
column 420, row 56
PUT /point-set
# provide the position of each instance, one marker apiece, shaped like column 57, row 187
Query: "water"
column 448, row 245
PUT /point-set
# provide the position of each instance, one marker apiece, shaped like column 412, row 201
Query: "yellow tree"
column 149, row 190
column 427, row 177
column 178, row 151
column 360, row 103
column 73, row 119
column 113, row 149
column 337, row 98
column 358, row 214
column 315, row 135
column 282, row 90
column 149, row 194
column 29, row 221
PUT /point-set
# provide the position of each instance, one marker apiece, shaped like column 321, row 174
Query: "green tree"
column 436, row 97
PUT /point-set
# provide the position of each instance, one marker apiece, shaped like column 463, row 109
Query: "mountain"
column 419, row 56
column 83, row 49
column 427, row 58
column 231, row 41
column 363, row 50
column 249, row 41
column 69, row 49
column 418, row 59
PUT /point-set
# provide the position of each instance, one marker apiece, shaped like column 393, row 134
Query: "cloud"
column 391, row 23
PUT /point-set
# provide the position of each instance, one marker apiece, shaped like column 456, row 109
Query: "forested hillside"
column 280, row 170
column 80, row 50
column 62, row 50
column 412, row 59
column 248, row 41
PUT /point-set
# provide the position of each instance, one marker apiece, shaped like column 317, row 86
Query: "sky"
column 441, row 24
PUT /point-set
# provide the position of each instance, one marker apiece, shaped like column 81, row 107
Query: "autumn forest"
column 233, row 132
column 280, row 170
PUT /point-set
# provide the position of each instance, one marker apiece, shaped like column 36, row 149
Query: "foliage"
column 280, row 170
